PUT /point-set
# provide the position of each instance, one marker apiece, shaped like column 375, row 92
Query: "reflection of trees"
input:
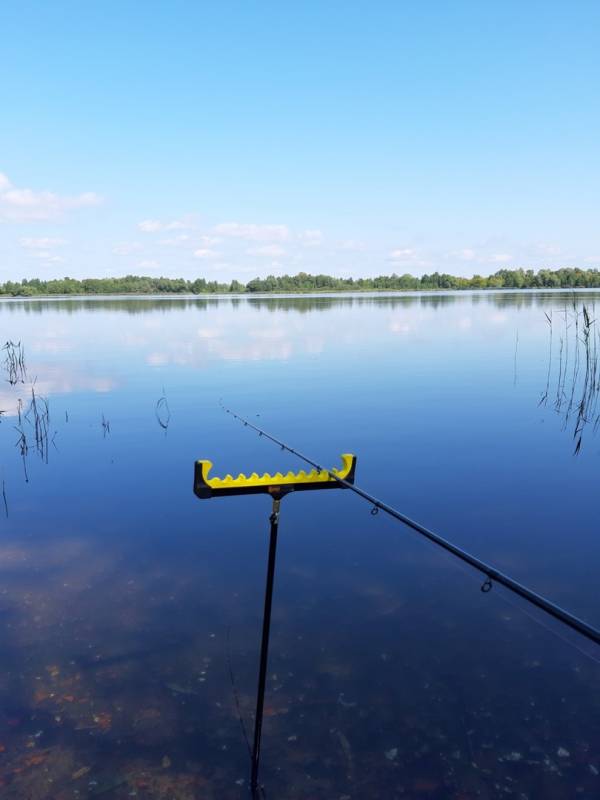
column 129, row 305
column 573, row 379
column 501, row 299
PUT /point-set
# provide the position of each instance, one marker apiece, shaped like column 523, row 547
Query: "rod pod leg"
column 264, row 647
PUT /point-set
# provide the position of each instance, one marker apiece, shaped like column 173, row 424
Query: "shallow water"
column 126, row 604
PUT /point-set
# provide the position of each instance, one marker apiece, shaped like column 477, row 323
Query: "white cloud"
column 150, row 225
column 25, row 205
column 175, row 241
column 127, row 248
column 49, row 258
column 184, row 238
column 41, row 243
column 403, row 254
column 311, row 238
column 267, row 250
column 205, row 252
column 148, row 264
column 155, row 225
column 500, row 258
column 466, row 254
column 255, row 233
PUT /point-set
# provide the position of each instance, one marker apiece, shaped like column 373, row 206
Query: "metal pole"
column 264, row 647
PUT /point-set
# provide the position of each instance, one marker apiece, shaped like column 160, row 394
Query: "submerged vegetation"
column 567, row 278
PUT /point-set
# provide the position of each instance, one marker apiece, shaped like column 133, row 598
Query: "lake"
column 131, row 611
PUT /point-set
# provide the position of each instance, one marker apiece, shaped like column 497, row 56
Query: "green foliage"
column 566, row 278
column 504, row 279
column 130, row 284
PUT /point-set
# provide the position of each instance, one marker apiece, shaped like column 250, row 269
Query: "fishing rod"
column 490, row 572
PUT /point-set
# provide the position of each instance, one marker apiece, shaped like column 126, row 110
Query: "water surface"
column 126, row 604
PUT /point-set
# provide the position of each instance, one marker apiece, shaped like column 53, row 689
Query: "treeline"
column 503, row 279
column 566, row 278
column 130, row 284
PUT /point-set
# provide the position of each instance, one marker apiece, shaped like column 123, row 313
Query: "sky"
column 240, row 139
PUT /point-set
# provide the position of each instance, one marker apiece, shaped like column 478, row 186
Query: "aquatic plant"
column 14, row 362
column 38, row 416
column 163, row 412
column 577, row 389
column 21, row 443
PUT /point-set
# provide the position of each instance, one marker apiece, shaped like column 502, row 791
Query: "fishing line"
column 519, row 608
column 511, row 602
column 234, row 691
column 491, row 573
column 236, row 697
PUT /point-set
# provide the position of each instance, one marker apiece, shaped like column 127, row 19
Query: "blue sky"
column 236, row 139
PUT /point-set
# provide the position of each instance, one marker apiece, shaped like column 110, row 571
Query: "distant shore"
column 302, row 283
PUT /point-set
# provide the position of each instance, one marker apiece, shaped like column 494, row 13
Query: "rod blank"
column 490, row 572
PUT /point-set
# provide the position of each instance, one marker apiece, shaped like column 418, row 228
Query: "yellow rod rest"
column 205, row 486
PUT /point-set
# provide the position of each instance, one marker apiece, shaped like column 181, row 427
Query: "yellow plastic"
column 314, row 476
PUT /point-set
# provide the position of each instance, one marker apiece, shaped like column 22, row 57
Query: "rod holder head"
column 278, row 484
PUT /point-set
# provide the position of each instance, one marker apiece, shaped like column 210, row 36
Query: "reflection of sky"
column 56, row 380
column 190, row 334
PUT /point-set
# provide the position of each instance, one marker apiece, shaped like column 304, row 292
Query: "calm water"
column 126, row 604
